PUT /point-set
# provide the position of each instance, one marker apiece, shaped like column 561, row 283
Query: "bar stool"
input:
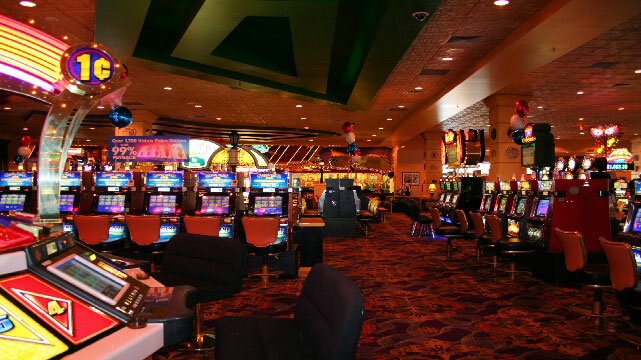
column 202, row 225
column 592, row 276
column 447, row 231
column 261, row 233
column 479, row 232
column 144, row 232
column 420, row 222
column 93, row 230
column 623, row 275
column 496, row 234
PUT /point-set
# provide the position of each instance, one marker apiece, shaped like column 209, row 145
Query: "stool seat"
column 515, row 244
column 448, row 230
column 596, row 274
column 424, row 219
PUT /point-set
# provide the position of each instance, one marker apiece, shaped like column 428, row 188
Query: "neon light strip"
column 29, row 54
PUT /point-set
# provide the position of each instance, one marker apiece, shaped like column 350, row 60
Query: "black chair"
column 214, row 266
column 327, row 323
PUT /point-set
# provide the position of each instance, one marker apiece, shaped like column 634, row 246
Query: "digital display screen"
column 162, row 204
column 534, row 233
column 158, row 179
column 268, row 180
column 113, row 179
column 454, row 198
column 89, row 277
column 503, row 203
column 513, row 228
column 520, row 206
column 488, row 202
column 448, row 185
column 636, row 227
column 441, row 198
column 542, row 207
column 111, row 204
column 637, row 187
column 528, row 155
column 70, row 179
column 215, row 205
column 489, row 186
column 268, row 205
column 637, row 256
column 66, row 202
column 448, row 197
column 167, row 231
column 12, row 202
column 455, row 186
column 483, row 201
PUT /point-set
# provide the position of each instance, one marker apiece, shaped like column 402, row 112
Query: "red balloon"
column 348, row 126
column 522, row 108
column 25, row 140
column 358, row 152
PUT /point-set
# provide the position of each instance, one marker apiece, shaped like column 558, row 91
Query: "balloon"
column 348, row 126
column 351, row 148
column 25, row 140
column 350, row 137
column 18, row 159
column 517, row 136
column 120, row 116
column 516, row 122
column 24, row 151
column 358, row 151
column 522, row 108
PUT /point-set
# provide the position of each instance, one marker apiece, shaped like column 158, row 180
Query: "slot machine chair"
column 479, row 233
column 495, row 235
column 261, row 233
column 93, row 230
column 420, row 222
column 592, row 276
column 202, row 225
column 447, row 231
column 214, row 266
column 327, row 322
column 144, row 231
column 625, row 280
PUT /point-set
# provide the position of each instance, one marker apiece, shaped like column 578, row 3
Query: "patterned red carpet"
column 420, row 307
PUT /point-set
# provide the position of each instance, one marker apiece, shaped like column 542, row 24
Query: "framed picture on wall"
column 411, row 177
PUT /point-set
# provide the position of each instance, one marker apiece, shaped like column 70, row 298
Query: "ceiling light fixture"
column 621, row 108
column 501, row 2
column 380, row 128
column 579, row 92
column 299, row 106
column 636, row 134
column 389, row 119
column 401, row 106
column 303, row 118
column 418, row 88
column 32, row 21
column 369, row 139
column 88, row 139
column 100, row 107
column 558, row 137
column 637, row 71
column 539, row 107
column 306, row 127
column 29, row 4
column 65, row 37
column 311, row 140
column 447, row 58
column 581, row 133
column 219, row 118
column 167, row 88
column 198, row 106
column 373, row 134
column 92, row 128
column 6, row 108
column 580, row 119
column 25, row 129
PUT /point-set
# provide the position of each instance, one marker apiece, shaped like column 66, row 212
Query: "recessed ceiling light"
column 488, row 125
column 198, row 106
column 389, row 119
column 92, row 128
column 581, row 133
column 539, row 107
column 447, row 58
column 636, row 134
column 6, row 108
column 501, row 2
column 100, row 107
column 558, row 137
column 303, row 118
column 551, row 126
column 621, row 108
column 380, row 128
column 418, row 88
column 401, row 106
column 299, row 106
column 27, row 3
column 580, row 119
column 25, row 129
column 579, row 92
column 311, row 140
column 88, row 139
column 65, row 37
column 219, row 118
column 369, row 139
column 32, row 21
column 306, row 127
column 373, row 134
column 637, row 71
column 167, row 88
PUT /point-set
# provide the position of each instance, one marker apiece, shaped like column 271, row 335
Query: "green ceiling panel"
column 261, row 41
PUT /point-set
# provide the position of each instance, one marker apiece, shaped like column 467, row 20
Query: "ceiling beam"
column 558, row 29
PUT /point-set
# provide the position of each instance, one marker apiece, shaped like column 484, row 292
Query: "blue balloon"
column 120, row 116
column 18, row 159
column 351, row 148
column 517, row 136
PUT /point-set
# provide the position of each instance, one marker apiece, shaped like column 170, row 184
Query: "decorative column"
column 504, row 155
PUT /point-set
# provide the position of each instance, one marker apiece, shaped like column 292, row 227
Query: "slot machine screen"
column 534, row 233
column 448, row 185
column 542, row 207
column 441, row 198
column 455, row 186
column 111, row 204
column 66, row 202
column 502, row 203
column 454, row 198
column 637, row 256
column 520, row 206
column 636, row 227
column 448, row 197
column 483, row 201
column 488, row 202
column 513, row 228
column 12, row 202
column 215, row 205
column 268, row 205
column 637, row 187
column 162, row 204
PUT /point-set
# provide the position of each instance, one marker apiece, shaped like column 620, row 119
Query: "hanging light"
column 234, row 138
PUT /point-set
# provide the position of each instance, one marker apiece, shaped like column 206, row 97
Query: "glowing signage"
column 621, row 155
column 528, row 132
column 449, row 137
column 148, row 148
column 164, row 179
column 269, row 181
column 217, row 179
column 114, row 179
column 70, row 179
column 89, row 66
column 12, row 178
column 200, row 151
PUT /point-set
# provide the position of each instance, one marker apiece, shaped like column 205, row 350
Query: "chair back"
column 413, row 212
column 477, row 221
column 202, row 225
column 462, row 219
column 436, row 218
column 143, row 230
column 494, row 224
column 329, row 313
column 92, row 229
column 623, row 266
column 260, row 231
column 576, row 256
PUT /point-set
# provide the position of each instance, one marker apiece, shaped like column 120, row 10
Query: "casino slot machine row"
column 70, row 301
column 16, row 191
column 269, row 195
column 216, row 196
column 163, row 196
column 112, row 196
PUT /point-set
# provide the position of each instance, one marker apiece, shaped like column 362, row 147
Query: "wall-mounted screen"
column 542, row 207
column 66, row 202
column 12, row 202
column 111, row 204
column 217, row 205
column 268, row 205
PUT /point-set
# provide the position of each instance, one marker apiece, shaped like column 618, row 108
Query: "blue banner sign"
column 11, row 178
column 217, row 179
column 170, row 179
column 149, row 148
column 113, row 179
column 268, row 180
column 70, row 179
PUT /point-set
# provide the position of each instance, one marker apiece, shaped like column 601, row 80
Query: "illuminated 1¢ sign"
column 90, row 66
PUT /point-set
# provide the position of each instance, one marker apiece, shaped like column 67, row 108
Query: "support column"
column 504, row 154
column 635, row 149
column 432, row 161
column 141, row 125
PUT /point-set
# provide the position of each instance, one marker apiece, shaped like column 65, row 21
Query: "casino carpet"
column 417, row 306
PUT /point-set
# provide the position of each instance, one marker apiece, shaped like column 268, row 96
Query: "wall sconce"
column 432, row 189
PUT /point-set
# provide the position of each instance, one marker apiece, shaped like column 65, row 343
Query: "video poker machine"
column 269, row 195
column 516, row 218
column 538, row 220
column 632, row 227
column 163, row 196
column 16, row 191
column 489, row 200
column 70, row 186
column 112, row 196
column 216, row 196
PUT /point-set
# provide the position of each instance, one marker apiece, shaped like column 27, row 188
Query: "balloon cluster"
column 24, row 151
column 518, row 120
column 353, row 150
column 606, row 137
column 120, row 116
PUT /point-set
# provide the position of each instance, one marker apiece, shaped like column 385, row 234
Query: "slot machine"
column 516, row 219
column 163, row 196
column 59, row 298
column 269, row 195
column 620, row 195
column 632, row 227
column 216, row 196
column 538, row 221
column 488, row 200
column 112, row 196
column 70, row 185
column 16, row 191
